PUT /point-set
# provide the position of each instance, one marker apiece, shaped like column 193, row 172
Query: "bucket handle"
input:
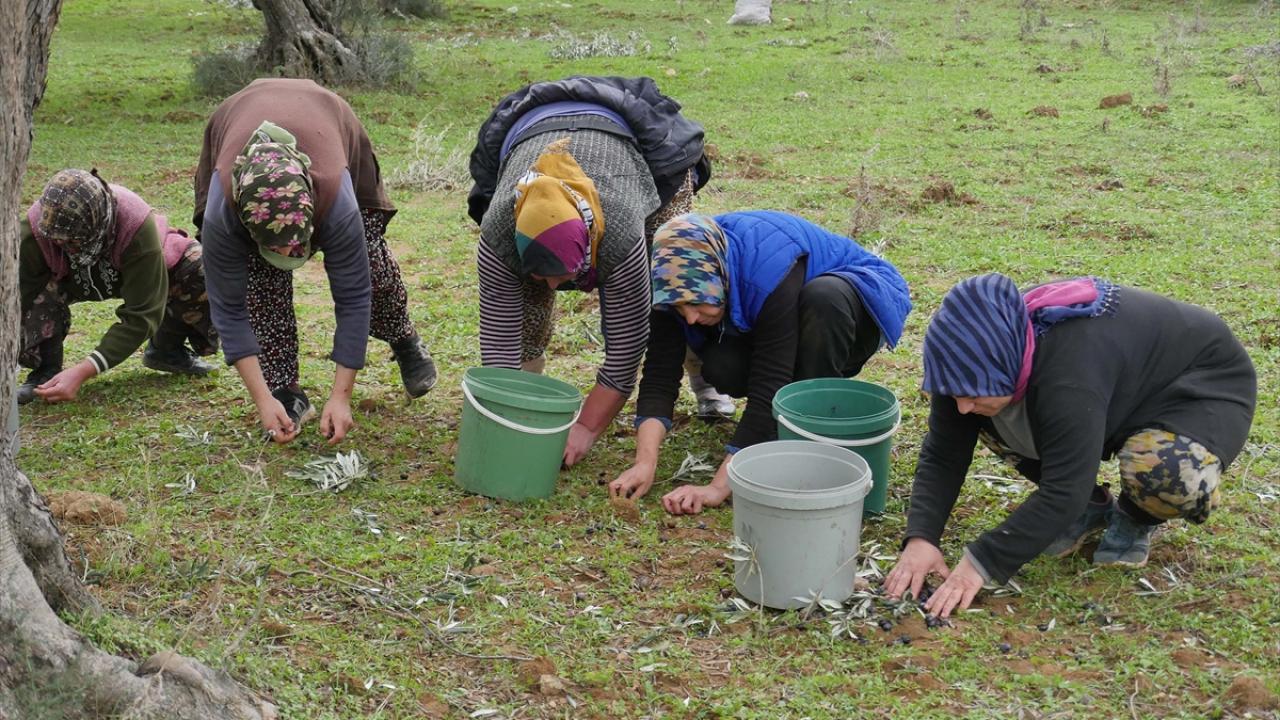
column 510, row 425
column 858, row 442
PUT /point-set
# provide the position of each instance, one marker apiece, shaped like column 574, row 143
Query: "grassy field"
column 955, row 137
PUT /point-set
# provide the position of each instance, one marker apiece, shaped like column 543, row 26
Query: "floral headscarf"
column 271, row 189
column 689, row 264
column 77, row 213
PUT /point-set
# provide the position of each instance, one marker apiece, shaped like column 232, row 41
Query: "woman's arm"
column 625, row 300
column 655, row 403
column 501, row 310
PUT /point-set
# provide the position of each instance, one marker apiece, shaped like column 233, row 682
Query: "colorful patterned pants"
column 186, row 315
column 269, row 301
column 1163, row 476
column 540, row 300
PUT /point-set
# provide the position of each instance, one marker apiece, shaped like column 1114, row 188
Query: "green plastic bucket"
column 797, row 506
column 853, row 414
column 514, row 428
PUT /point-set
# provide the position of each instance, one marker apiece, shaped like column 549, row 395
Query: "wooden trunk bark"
column 47, row 669
column 302, row 41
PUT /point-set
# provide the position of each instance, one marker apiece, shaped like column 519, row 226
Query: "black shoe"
column 296, row 404
column 180, row 361
column 41, row 375
column 417, row 369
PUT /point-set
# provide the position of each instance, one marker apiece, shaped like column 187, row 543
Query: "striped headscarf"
column 77, row 214
column 981, row 341
column 271, row 189
column 559, row 222
column 689, row 262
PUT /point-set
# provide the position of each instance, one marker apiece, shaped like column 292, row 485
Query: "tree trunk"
column 47, row 670
column 302, row 41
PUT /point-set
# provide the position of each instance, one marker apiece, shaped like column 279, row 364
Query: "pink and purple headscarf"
column 981, row 341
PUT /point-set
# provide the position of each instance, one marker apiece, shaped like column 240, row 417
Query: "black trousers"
column 837, row 337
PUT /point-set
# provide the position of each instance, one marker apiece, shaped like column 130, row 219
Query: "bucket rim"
column 850, row 493
column 850, row 427
column 489, row 384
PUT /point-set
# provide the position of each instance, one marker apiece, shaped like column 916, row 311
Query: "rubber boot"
column 417, row 369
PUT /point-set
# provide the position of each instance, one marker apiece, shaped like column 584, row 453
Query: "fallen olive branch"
column 398, row 609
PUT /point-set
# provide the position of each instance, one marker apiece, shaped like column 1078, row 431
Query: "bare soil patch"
column 1114, row 101
column 1248, row 693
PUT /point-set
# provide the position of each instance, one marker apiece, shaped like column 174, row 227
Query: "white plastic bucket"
column 798, row 506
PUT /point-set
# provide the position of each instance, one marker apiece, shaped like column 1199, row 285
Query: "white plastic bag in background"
column 751, row 12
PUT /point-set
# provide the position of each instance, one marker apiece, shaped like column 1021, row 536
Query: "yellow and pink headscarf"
column 559, row 222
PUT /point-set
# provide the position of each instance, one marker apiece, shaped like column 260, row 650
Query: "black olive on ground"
column 886, row 625
column 1005, row 648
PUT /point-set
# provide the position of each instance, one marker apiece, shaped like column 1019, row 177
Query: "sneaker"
column 1125, row 543
column 296, row 404
column 1094, row 518
column 179, row 361
column 417, row 369
column 714, row 407
column 41, row 375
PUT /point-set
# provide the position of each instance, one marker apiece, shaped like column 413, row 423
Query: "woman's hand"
column 633, row 483
column 336, row 420
column 580, row 441
column 958, row 590
column 919, row 558
column 691, row 499
column 279, row 427
column 66, row 385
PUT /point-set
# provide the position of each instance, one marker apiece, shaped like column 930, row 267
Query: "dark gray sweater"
column 1154, row 363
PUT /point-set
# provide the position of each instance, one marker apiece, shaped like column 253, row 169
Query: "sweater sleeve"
column 501, row 310
column 625, row 301
column 945, row 456
column 775, row 340
column 33, row 274
column 663, row 368
column 346, row 262
column 1069, row 423
column 144, row 287
column 226, row 273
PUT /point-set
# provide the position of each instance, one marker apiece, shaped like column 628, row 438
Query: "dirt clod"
column 551, row 685
column 531, row 672
column 1112, row 101
column 1109, row 184
column 1247, row 693
column 1152, row 110
column 983, row 114
column 1045, row 111
column 1236, row 81
column 86, row 508
column 943, row 191
column 1044, row 69
column 625, row 508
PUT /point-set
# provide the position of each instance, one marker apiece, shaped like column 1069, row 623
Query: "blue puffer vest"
column 763, row 247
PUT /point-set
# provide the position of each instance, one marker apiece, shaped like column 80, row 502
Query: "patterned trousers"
column 1163, row 476
column 269, row 301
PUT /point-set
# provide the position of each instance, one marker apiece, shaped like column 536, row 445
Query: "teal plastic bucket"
column 514, row 429
column 853, row 414
column 797, row 506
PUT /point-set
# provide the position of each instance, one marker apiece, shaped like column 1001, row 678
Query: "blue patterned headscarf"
column 982, row 340
column 975, row 342
column 689, row 266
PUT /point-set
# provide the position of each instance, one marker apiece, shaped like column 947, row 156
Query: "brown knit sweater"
column 327, row 131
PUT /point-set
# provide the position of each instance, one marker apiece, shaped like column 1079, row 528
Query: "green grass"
column 253, row 571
